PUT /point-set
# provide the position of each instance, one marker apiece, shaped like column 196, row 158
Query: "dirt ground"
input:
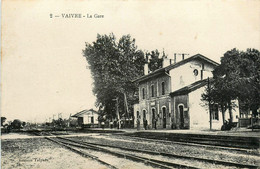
column 27, row 151
column 39, row 153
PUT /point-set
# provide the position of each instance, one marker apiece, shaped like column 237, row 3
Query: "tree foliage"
column 214, row 95
column 113, row 65
column 60, row 122
column 3, row 119
column 237, row 77
column 154, row 60
column 16, row 124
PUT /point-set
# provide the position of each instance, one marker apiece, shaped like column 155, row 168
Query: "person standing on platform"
column 138, row 124
column 155, row 121
column 103, row 125
column 145, row 124
column 111, row 124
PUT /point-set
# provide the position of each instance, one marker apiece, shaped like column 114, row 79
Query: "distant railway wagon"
column 87, row 118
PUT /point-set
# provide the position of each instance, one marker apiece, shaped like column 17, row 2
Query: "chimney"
column 146, row 68
column 166, row 62
column 183, row 56
column 174, row 57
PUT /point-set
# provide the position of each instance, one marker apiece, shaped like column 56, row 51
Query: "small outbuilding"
column 87, row 118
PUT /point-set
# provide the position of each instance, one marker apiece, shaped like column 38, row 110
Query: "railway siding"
column 193, row 159
column 174, row 149
column 205, row 139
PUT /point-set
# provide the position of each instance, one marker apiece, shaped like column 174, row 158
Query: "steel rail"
column 224, row 141
column 149, row 161
column 84, row 154
column 226, row 163
column 219, row 142
column 196, row 144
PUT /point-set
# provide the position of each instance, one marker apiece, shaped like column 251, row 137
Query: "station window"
column 152, row 90
column 137, row 115
column 144, row 115
column 143, row 93
column 215, row 114
column 163, row 88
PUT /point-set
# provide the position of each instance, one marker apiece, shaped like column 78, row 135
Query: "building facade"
column 87, row 118
column 170, row 97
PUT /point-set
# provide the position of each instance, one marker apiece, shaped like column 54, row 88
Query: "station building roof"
column 175, row 65
column 84, row 112
column 194, row 86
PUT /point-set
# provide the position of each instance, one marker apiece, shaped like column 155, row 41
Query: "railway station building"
column 87, row 118
column 170, row 97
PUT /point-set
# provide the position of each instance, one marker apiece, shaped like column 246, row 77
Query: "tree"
column 3, row 119
column 248, row 82
column 113, row 65
column 61, row 123
column 154, row 61
column 16, row 124
column 23, row 124
column 214, row 95
column 237, row 78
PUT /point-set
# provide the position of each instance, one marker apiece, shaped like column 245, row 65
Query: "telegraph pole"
column 59, row 115
column 53, row 121
column 117, row 113
column 126, row 105
column 209, row 99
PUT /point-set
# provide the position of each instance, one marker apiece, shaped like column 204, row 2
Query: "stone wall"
column 180, row 116
column 159, row 104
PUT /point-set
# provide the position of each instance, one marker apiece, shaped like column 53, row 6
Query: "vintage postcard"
column 130, row 84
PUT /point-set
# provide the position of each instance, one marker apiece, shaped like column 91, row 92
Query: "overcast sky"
column 44, row 72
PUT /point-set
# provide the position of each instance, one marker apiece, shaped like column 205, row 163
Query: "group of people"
column 112, row 124
column 115, row 124
column 145, row 122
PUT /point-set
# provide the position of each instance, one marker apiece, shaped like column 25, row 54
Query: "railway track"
column 82, row 153
column 132, row 154
column 71, row 148
column 212, row 140
column 136, row 158
column 212, row 147
column 137, row 155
